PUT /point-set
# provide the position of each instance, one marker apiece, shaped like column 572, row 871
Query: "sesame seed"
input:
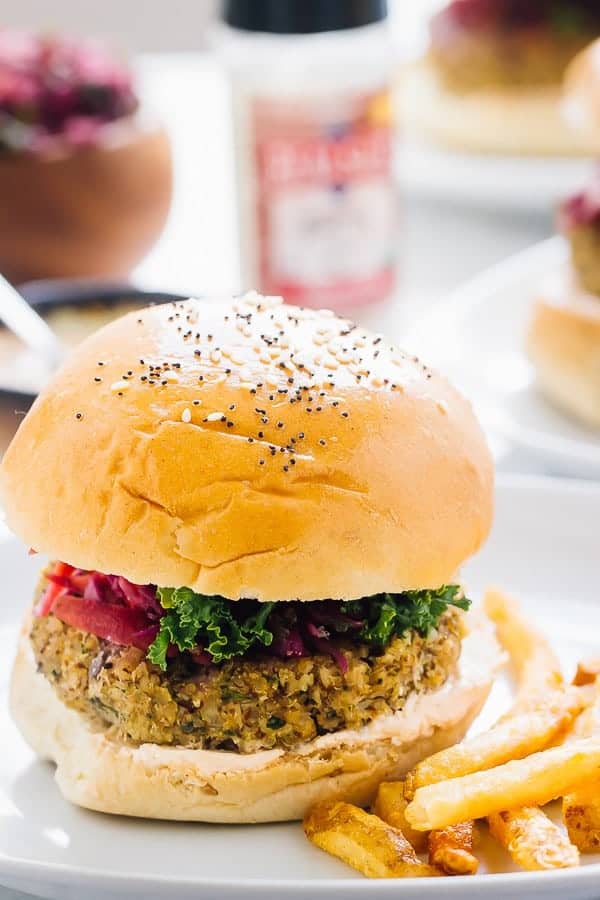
column 119, row 385
column 79, row 415
column 261, row 462
column 97, row 378
column 186, row 415
column 214, row 417
column 196, row 402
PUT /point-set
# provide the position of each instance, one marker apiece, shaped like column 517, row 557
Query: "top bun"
column 582, row 94
column 250, row 450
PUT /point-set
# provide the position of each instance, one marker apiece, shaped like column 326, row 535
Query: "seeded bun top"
column 250, row 450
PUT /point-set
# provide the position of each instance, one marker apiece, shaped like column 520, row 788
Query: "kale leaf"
column 219, row 628
column 195, row 620
column 389, row 615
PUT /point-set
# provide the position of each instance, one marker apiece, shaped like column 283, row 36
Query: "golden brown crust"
column 194, row 785
column 377, row 478
column 519, row 121
column 563, row 343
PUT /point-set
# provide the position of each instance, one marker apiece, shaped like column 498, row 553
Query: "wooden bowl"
column 94, row 211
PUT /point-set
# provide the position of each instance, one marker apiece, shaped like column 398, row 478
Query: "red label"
column 325, row 200
column 285, row 162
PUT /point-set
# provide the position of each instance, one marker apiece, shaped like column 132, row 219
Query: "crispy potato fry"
column 587, row 672
column 581, row 809
column 532, row 781
column 451, row 850
column 390, row 804
column 581, row 815
column 364, row 842
column 532, row 839
column 512, row 738
column 536, row 666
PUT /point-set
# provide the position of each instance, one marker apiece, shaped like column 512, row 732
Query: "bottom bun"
column 519, row 122
column 161, row 782
column 564, row 346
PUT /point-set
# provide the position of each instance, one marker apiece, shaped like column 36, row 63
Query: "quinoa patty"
column 244, row 704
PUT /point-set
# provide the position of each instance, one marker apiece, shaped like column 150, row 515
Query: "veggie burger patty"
column 276, row 678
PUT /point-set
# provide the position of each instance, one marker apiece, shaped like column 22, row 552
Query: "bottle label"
column 325, row 199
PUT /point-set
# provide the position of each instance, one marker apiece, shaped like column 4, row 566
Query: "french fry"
column 532, row 839
column 581, row 809
column 587, row 672
column 536, row 665
column 512, row 738
column 581, row 815
column 390, row 804
column 364, row 842
column 532, row 781
column 451, row 850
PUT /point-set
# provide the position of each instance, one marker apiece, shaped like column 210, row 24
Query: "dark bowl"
column 82, row 298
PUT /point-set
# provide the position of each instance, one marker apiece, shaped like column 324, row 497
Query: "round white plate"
column 476, row 337
column 544, row 547
column 523, row 184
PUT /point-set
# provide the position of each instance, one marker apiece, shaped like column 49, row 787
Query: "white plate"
column 524, row 184
column 476, row 337
column 544, row 546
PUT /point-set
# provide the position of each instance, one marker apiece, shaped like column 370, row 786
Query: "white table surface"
column 439, row 246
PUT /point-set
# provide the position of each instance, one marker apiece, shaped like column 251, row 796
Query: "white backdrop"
column 160, row 24
column 131, row 24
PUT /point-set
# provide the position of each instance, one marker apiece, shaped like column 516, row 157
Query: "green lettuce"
column 220, row 629
column 391, row 615
column 193, row 620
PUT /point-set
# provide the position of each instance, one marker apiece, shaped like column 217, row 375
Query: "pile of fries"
column 546, row 747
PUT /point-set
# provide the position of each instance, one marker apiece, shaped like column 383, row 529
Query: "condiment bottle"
column 313, row 136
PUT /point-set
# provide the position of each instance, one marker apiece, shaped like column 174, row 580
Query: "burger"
column 564, row 334
column 255, row 517
column 490, row 81
column 563, row 339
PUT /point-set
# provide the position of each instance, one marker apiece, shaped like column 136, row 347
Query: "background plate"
column 526, row 184
column 544, row 546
